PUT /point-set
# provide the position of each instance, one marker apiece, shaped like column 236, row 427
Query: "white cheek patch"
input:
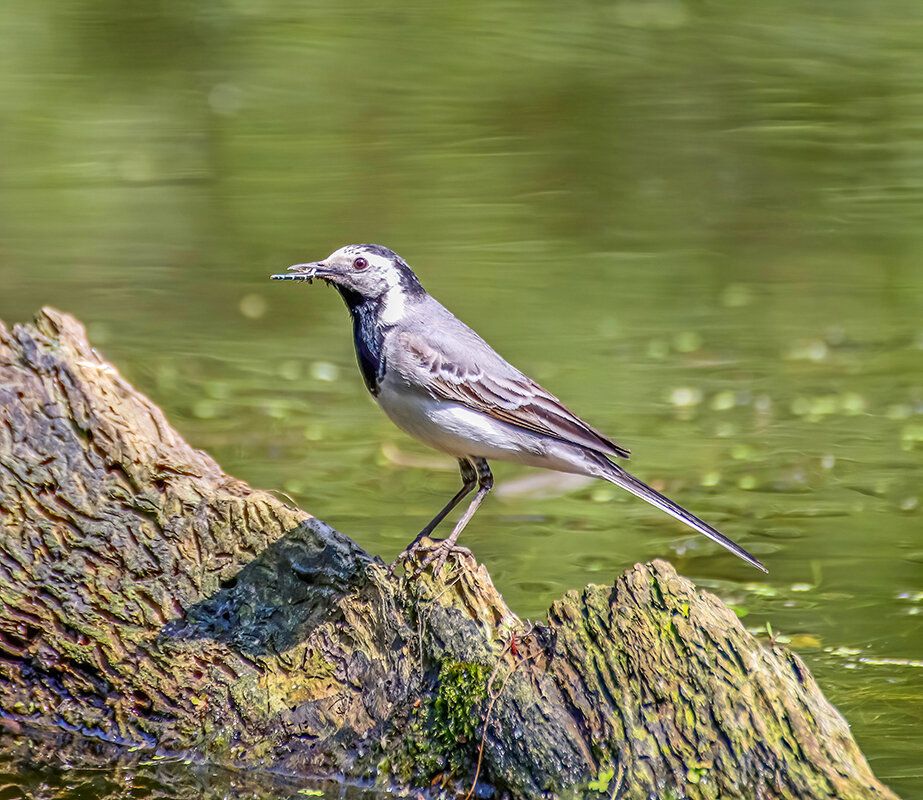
column 393, row 305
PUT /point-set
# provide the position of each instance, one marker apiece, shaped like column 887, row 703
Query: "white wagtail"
column 443, row 384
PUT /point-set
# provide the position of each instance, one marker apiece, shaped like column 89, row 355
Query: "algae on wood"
column 151, row 601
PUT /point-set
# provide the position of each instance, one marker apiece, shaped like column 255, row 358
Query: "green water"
column 700, row 224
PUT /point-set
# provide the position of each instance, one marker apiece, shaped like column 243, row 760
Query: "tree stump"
column 152, row 602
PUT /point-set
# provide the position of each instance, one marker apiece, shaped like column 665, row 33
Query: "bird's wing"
column 465, row 369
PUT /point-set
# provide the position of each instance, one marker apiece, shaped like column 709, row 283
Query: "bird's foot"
column 424, row 551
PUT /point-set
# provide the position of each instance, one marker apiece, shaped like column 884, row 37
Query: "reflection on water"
column 48, row 766
column 699, row 225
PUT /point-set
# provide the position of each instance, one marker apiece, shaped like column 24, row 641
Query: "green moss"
column 460, row 692
column 696, row 772
column 442, row 733
column 601, row 782
column 656, row 593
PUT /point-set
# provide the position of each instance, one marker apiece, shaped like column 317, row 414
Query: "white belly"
column 461, row 431
column 451, row 427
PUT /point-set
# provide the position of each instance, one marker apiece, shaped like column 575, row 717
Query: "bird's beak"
column 305, row 272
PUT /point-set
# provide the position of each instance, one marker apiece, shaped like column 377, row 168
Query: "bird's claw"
column 428, row 551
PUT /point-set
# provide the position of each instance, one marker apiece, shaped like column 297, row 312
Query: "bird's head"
column 361, row 272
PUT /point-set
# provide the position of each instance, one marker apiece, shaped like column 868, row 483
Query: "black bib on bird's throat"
column 367, row 336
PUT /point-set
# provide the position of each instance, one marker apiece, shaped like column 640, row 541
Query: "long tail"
column 618, row 476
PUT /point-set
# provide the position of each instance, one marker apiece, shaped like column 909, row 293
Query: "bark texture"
column 154, row 603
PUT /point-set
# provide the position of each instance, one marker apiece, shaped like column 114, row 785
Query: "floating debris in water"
column 813, row 350
column 799, row 640
column 852, row 403
column 842, row 651
column 761, row 589
column 602, row 494
column 711, row 479
column 253, row 306
column 817, row 407
column 742, row 452
column 325, row 371
column 898, row 662
column 276, row 408
column 685, row 396
column 723, row 401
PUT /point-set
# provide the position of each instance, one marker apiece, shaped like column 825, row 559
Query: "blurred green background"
column 700, row 224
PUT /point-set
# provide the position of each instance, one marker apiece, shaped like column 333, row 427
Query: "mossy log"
column 151, row 601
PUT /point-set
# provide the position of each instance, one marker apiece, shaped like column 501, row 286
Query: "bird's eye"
column 360, row 263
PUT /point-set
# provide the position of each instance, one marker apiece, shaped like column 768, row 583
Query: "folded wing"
column 501, row 391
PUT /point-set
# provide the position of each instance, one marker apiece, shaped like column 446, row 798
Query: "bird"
column 440, row 382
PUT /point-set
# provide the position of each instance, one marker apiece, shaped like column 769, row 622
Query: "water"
column 699, row 224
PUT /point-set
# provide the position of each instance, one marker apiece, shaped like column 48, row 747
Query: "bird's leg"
column 441, row 550
column 469, row 480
